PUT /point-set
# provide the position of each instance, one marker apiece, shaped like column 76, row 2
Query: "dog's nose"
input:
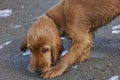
column 39, row 71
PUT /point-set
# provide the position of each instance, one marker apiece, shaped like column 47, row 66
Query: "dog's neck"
column 57, row 15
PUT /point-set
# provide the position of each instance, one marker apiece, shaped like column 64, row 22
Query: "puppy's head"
column 40, row 40
column 40, row 56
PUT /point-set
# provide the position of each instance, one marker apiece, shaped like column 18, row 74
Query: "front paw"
column 52, row 73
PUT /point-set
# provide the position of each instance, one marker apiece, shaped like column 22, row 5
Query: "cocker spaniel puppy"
column 76, row 19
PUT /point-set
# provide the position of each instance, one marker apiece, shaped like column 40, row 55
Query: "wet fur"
column 78, row 20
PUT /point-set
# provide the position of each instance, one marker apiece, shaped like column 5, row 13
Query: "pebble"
column 109, row 65
column 75, row 67
column 98, row 67
column 22, row 7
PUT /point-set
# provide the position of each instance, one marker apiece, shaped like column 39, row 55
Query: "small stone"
column 98, row 67
column 22, row 7
column 75, row 67
column 109, row 65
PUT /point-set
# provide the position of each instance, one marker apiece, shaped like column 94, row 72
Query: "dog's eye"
column 44, row 50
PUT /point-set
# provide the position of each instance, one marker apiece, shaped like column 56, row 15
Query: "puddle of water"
column 64, row 52
column 26, row 53
column 4, row 44
column 15, row 26
column 62, row 38
column 1, row 46
column 116, row 29
column 5, row 13
column 114, row 78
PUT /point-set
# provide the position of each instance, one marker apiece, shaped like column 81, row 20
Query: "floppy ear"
column 54, row 54
column 57, row 50
column 24, row 44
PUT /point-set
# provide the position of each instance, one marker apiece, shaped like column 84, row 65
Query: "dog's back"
column 91, row 12
column 95, row 12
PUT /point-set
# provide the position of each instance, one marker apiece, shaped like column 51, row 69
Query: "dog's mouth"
column 39, row 70
column 42, row 69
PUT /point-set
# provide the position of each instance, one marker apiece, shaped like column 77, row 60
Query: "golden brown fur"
column 77, row 19
column 44, row 43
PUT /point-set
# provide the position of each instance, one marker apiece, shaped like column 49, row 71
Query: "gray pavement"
column 103, row 64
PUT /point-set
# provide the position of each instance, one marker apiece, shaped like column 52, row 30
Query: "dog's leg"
column 81, row 40
column 24, row 44
column 86, row 53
